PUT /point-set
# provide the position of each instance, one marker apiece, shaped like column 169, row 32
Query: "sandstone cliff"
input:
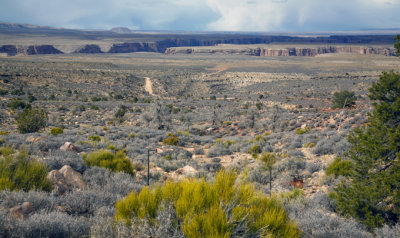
column 289, row 51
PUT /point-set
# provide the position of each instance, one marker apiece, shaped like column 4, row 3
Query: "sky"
column 206, row 15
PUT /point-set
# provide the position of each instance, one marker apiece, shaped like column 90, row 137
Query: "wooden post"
column 270, row 182
column 148, row 167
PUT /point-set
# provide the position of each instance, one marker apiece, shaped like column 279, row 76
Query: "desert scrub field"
column 96, row 124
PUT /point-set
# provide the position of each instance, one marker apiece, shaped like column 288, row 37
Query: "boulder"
column 68, row 146
column 73, row 179
column 66, row 179
column 184, row 172
column 23, row 211
column 59, row 184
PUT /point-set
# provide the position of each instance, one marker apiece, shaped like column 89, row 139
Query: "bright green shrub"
column 115, row 162
column 31, row 120
column 19, row 172
column 340, row 167
column 171, row 139
column 226, row 207
column 56, row 130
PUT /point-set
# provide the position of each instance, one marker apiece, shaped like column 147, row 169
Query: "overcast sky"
column 207, row 15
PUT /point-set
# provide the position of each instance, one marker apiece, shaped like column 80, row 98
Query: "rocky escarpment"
column 89, row 49
column 186, row 45
column 133, row 47
column 29, row 50
column 162, row 46
column 363, row 50
column 298, row 51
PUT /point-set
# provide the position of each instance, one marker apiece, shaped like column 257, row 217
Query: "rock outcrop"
column 12, row 50
column 73, row 179
column 23, row 211
column 89, row 49
column 133, row 47
column 66, row 179
column 68, row 146
column 182, row 173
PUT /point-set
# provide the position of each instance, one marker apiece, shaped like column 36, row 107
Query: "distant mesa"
column 122, row 30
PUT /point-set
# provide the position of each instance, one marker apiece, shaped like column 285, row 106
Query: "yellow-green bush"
column 94, row 138
column 19, row 172
column 254, row 150
column 115, row 162
column 300, row 131
column 56, row 130
column 217, row 209
column 171, row 139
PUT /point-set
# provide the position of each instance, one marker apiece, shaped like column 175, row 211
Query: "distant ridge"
column 122, row 30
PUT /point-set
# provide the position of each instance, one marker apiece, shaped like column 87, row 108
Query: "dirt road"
column 148, row 86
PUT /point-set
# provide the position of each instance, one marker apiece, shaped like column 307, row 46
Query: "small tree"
column 119, row 115
column 397, row 45
column 343, row 99
column 371, row 194
column 268, row 160
column 31, row 120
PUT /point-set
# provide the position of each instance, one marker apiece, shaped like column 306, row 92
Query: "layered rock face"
column 133, row 47
column 12, row 50
column 89, row 49
column 212, row 46
column 314, row 51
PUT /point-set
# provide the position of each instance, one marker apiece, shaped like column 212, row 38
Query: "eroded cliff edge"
column 305, row 46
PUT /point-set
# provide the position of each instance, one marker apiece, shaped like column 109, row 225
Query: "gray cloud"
column 225, row 15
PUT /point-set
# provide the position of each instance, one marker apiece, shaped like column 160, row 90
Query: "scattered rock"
column 59, row 184
column 34, row 139
column 187, row 171
column 66, row 179
column 68, row 146
column 23, row 211
column 72, row 178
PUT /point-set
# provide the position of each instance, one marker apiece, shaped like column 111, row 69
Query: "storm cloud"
column 208, row 15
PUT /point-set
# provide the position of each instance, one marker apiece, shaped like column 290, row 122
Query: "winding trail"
column 148, row 86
